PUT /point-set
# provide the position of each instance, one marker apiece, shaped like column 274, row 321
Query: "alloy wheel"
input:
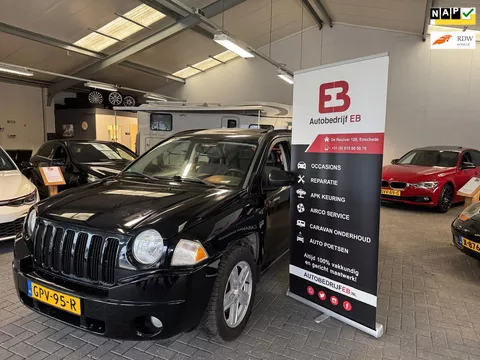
column 238, row 294
column 447, row 198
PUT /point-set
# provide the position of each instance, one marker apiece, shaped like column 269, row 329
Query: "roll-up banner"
column 338, row 132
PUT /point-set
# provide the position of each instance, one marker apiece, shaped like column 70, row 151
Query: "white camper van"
column 159, row 120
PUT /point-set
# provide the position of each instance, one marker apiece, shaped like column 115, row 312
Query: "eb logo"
column 341, row 102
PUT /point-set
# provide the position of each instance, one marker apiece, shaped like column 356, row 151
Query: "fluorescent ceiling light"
column 206, row 64
column 154, row 96
column 102, row 86
column 17, row 70
column 284, row 75
column 120, row 28
column 433, row 28
column 233, row 45
column 226, row 56
column 186, row 72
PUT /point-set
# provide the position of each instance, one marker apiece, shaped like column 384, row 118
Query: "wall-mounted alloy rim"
column 128, row 101
column 115, row 98
column 95, row 97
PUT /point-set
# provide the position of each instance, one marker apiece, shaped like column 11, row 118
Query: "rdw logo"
column 341, row 97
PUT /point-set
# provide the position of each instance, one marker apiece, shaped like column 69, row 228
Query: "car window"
column 60, row 153
column 5, row 163
column 90, row 152
column 262, row 126
column 222, row 162
column 277, row 157
column 161, row 122
column 46, row 149
column 475, row 157
column 124, row 153
column 231, row 123
column 466, row 157
column 175, row 155
column 438, row 158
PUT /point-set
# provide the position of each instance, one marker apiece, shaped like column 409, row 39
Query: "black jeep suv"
column 175, row 240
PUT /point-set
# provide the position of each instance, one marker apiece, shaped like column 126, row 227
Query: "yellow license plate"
column 471, row 245
column 391, row 192
column 54, row 298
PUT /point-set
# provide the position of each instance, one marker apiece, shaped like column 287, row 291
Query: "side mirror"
column 26, row 167
column 467, row 165
column 394, row 161
column 278, row 178
column 59, row 162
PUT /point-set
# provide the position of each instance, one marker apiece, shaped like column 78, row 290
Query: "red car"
column 430, row 176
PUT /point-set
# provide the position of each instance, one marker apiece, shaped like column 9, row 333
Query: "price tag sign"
column 471, row 187
column 52, row 176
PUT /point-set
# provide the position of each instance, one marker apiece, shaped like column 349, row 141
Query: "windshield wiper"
column 192, row 180
column 138, row 174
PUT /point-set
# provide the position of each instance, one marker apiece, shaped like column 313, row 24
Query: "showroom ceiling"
column 73, row 22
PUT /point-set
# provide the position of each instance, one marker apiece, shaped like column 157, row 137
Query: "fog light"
column 156, row 322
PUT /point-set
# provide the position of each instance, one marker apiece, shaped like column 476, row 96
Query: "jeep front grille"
column 75, row 253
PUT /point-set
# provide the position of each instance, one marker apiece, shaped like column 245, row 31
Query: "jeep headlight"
column 188, row 252
column 30, row 222
column 148, row 247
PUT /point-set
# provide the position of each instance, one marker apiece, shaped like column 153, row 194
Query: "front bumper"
column 11, row 220
column 413, row 196
column 466, row 230
column 123, row 311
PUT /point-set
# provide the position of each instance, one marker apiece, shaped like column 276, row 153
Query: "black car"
column 81, row 161
column 174, row 241
column 466, row 231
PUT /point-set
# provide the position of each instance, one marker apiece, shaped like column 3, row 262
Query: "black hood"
column 103, row 169
column 120, row 205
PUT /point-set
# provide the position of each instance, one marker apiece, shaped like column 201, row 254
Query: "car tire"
column 219, row 322
column 445, row 199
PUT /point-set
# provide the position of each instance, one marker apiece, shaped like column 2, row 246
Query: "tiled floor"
column 429, row 301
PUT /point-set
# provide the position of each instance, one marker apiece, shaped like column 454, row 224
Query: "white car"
column 301, row 165
column 17, row 195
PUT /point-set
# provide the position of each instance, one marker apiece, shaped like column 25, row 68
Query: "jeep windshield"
column 212, row 161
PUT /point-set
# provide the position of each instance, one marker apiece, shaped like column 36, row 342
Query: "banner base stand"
column 321, row 318
column 377, row 332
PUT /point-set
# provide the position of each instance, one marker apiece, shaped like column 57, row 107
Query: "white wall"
column 433, row 96
column 22, row 116
column 124, row 124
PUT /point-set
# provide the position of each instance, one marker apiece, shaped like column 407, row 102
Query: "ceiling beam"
column 159, row 36
column 426, row 20
column 33, row 82
column 324, row 11
column 151, row 71
column 42, row 39
column 79, row 80
column 215, row 29
column 313, row 13
column 171, row 13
